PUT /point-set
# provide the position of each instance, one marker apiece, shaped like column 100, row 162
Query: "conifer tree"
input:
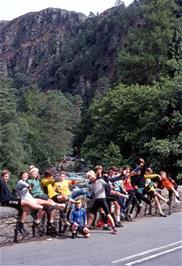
column 147, row 49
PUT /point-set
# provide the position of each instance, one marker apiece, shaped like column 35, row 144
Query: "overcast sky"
column 10, row 9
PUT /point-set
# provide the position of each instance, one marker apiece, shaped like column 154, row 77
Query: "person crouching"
column 78, row 220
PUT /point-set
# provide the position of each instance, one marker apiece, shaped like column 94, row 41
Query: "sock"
column 21, row 224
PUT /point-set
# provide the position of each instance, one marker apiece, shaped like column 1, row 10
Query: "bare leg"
column 161, row 197
column 24, row 215
column 49, row 203
column 40, row 215
column 32, row 205
column 90, row 219
column 52, row 216
column 175, row 192
column 109, row 216
column 159, row 206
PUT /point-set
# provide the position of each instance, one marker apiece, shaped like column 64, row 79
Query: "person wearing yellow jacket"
column 47, row 183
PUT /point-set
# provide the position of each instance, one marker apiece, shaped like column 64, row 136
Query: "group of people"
column 114, row 195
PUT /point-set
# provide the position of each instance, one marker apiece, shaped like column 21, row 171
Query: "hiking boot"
column 65, row 227
column 37, row 227
column 51, row 229
column 20, row 228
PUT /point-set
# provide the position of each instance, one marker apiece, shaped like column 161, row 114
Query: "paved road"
column 144, row 242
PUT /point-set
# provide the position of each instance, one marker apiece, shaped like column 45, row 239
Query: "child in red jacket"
column 168, row 184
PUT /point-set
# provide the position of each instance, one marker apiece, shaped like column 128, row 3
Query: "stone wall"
column 8, row 221
column 9, row 216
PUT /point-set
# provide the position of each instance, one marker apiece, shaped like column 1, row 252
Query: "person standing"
column 97, row 187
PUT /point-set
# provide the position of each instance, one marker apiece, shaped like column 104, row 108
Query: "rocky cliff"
column 62, row 50
column 30, row 43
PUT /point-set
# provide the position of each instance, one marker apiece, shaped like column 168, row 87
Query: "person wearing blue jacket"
column 78, row 220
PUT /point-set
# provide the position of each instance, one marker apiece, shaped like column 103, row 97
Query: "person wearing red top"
column 168, row 184
column 131, row 192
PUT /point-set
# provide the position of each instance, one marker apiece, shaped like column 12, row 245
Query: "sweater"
column 78, row 216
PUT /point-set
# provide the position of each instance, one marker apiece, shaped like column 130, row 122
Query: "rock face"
column 62, row 50
column 30, row 43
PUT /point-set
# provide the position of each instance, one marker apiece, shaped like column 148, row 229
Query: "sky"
column 10, row 9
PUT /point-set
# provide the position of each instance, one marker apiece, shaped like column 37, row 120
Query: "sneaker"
column 177, row 199
column 118, row 224
column 114, row 231
column 91, row 227
column 106, row 227
column 162, row 215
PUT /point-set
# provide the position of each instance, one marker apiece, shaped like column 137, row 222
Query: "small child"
column 78, row 220
column 168, row 184
column 151, row 191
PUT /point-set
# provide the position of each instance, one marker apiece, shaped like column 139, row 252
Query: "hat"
column 32, row 169
column 147, row 182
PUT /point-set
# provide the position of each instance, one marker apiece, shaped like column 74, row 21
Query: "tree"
column 13, row 155
column 48, row 120
column 119, row 2
column 144, row 57
column 135, row 118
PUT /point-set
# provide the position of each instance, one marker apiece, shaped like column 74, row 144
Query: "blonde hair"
column 91, row 173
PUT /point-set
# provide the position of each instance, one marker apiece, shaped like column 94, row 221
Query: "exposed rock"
column 29, row 44
column 61, row 50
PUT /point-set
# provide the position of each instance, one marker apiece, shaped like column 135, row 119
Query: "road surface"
column 144, row 242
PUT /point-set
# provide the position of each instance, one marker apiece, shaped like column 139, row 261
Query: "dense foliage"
column 132, row 121
column 36, row 127
column 145, row 118
column 153, row 47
